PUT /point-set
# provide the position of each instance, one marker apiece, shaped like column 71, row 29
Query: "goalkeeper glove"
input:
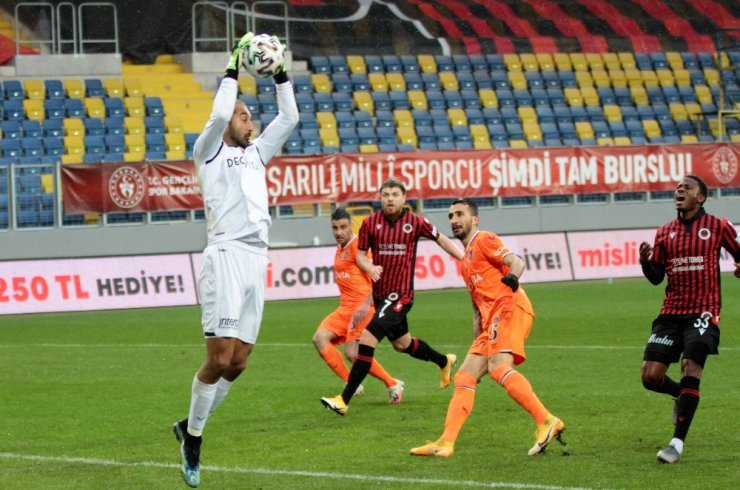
column 512, row 281
column 234, row 60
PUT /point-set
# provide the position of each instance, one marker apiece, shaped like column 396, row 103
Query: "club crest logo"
column 724, row 165
column 126, row 187
column 407, row 228
column 704, row 234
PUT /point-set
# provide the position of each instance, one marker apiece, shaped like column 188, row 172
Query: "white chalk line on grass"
column 309, row 345
column 271, row 472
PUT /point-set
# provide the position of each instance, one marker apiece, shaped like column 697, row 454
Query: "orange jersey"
column 482, row 269
column 354, row 284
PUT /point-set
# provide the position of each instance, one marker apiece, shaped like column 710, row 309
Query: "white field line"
column 271, row 472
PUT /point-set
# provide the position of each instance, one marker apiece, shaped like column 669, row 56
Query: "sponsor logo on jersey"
column 664, row 340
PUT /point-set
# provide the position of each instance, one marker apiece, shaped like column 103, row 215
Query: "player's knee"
column 500, row 371
column 464, row 379
column 651, row 380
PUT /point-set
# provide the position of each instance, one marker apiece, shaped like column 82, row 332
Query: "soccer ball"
column 263, row 57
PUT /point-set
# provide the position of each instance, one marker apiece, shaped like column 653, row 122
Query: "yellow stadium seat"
column 73, row 126
column 488, row 99
column 448, row 80
column 329, row 136
column 595, row 61
column 517, row 79
column 378, row 82
column 693, row 110
column 175, row 155
column 133, row 87
column 639, row 96
column 682, row 77
column 114, row 87
column 482, row 144
column 665, row 77
column 356, row 64
column 611, row 61
column 612, row 113
column 703, row 94
column 622, row 141
column 562, row 61
column 47, row 183
column 618, row 78
column 418, row 99
column 135, row 143
column 649, row 78
column 94, row 107
column 396, row 81
column 527, row 114
column 573, row 96
column 72, row 159
column 133, row 156
column 545, row 61
column 601, row 78
column 369, row 148
column 321, row 82
column 456, row 116
column 529, row 62
column 627, row 59
column 134, row 125
column 678, row 111
column 674, row 60
column 403, row 118
column 735, row 138
column 532, row 131
column 407, row 136
column 193, row 123
column 427, row 63
column 689, row 138
column 605, row 141
column 518, row 144
column 247, row 85
column 326, row 120
column 74, row 88
column 633, row 77
column 34, row 109
column 584, row 79
column 134, row 106
column 512, row 62
column 364, row 102
column 479, row 132
column 166, row 59
column 579, row 61
column 74, row 145
column 651, row 128
column 175, row 141
column 712, row 76
column 584, row 129
column 34, row 89
column 173, row 124
column 590, row 96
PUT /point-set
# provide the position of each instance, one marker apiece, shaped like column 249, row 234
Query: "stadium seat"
column 31, row 128
column 94, row 87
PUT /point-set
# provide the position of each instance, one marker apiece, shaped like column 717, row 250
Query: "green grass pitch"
column 87, row 401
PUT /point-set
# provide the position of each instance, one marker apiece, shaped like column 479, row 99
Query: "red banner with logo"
column 130, row 187
column 426, row 174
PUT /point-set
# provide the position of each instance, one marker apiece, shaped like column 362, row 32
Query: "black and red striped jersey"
column 690, row 252
column 393, row 245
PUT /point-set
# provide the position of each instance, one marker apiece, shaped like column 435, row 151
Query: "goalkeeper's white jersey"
column 232, row 179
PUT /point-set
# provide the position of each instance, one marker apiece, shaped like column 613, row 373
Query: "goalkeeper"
column 231, row 282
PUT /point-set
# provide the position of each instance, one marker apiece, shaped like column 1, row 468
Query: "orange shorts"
column 506, row 333
column 339, row 322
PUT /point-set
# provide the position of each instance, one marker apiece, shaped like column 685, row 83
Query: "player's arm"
column 477, row 321
column 276, row 133
column 730, row 243
column 209, row 141
column 361, row 312
column 365, row 263
column 652, row 271
column 516, row 268
column 450, row 247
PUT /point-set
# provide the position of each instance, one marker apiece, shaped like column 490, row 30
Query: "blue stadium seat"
column 54, row 89
column 360, row 82
column 567, row 130
column 410, row 63
column 426, row 134
column 629, row 112
column 466, row 80
column 384, row 118
column 545, row 114
column 523, row 97
column 462, row 63
column 510, row 114
column 323, row 101
column 689, row 60
column 428, row 146
column 595, row 113
column 294, row 143
column 421, row 117
column 374, row 63
column 304, row 101
column 606, row 95
column 470, row 99
column 474, row 116
column 579, row 114
column 618, row 129
column 95, row 145
column 386, row 135
column 348, row 136
column 444, row 133
column 154, row 125
column 366, row 136
column 114, row 107
column 12, row 129
column 482, row 79
column 534, row 79
column 14, row 89
column 478, row 62
column 153, row 106
column 152, row 155
column 155, row 142
column 267, row 103
column 54, row 145
column 320, row 64
column 495, row 62
column 307, row 120
column 453, row 99
column 392, row 63
column 387, row 147
column 115, row 143
column 302, row 82
column 413, row 81
column 345, row 119
column 506, row 98
column 567, row 79
column 500, row 79
column 94, row 87
column 556, row 96
column 444, row 62
column 431, row 81
column 461, row 133
column 74, row 108
column 13, row 109
column 55, row 109
column 492, row 115
column 363, row 119
column 31, row 129
column 11, row 148
column 342, row 101
column 645, row 112
column 551, row 79
column 114, row 126
column 338, row 64
column 32, row 147
column 549, row 130
column 540, row 97
column 341, row 82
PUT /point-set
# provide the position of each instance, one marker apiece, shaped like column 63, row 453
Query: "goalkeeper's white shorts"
column 231, row 290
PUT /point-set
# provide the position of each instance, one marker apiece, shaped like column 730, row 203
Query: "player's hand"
column 234, row 59
column 646, row 252
column 282, row 66
column 512, row 281
column 359, row 315
column 375, row 272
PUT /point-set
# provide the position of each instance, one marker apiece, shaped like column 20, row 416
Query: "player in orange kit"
column 345, row 324
column 503, row 320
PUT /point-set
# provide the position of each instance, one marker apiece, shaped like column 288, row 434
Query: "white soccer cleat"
column 395, row 392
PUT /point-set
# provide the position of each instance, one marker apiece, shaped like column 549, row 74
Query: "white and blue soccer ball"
column 263, row 57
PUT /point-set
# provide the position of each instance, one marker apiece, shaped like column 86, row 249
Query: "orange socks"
column 377, row 371
column 460, row 406
column 519, row 389
column 333, row 359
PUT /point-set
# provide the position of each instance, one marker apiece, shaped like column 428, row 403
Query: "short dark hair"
column 340, row 213
column 702, row 186
column 393, row 183
column 467, row 202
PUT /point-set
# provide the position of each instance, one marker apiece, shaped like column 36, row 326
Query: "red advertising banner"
column 131, row 187
column 438, row 174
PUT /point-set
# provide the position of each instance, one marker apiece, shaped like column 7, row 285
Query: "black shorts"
column 696, row 336
column 390, row 317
